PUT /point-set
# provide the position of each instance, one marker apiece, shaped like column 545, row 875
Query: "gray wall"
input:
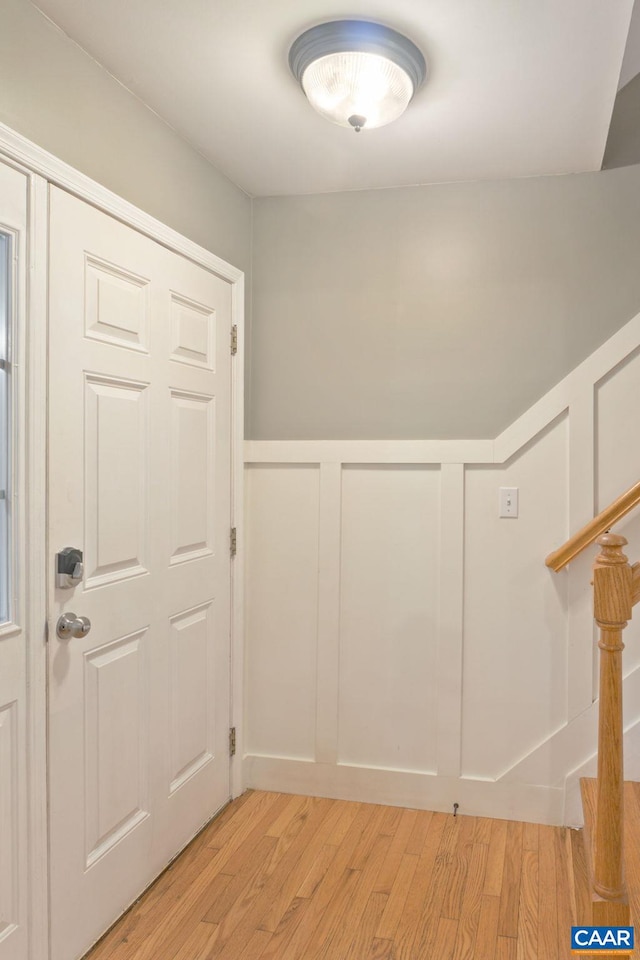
column 420, row 312
column 439, row 311
column 56, row 95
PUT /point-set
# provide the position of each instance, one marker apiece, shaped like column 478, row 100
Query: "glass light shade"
column 357, row 84
column 357, row 73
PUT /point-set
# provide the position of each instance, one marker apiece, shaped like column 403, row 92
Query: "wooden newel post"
column 612, row 600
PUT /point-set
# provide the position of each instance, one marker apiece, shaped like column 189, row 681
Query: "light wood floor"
column 279, row 877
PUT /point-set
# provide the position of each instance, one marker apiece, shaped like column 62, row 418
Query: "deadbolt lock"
column 69, row 568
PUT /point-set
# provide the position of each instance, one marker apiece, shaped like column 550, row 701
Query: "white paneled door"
column 139, row 455
column 14, row 637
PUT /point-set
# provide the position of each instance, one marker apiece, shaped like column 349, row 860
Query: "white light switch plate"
column 508, row 502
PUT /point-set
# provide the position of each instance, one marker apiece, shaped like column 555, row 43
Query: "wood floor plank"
column 350, row 811
column 495, row 861
column 331, row 919
column 482, row 832
column 452, row 904
column 392, row 818
column 310, row 843
column 566, row 917
column 528, row 907
column 397, row 897
column 256, row 946
column 506, row 948
column 238, row 883
column 198, row 944
column 282, row 877
column 294, row 916
column 418, row 925
column 337, row 945
column 236, row 852
column 335, row 885
column 364, row 935
column 471, row 904
column 438, row 843
column 446, row 938
column 418, row 835
column 296, row 807
column 487, row 935
column 582, row 909
column 510, row 891
column 268, row 897
column 317, row 871
column 361, row 852
column 397, row 851
column 382, row 950
column 258, row 804
column 547, row 899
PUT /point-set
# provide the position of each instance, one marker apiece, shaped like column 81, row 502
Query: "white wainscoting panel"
column 282, row 625
column 389, row 617
column 406, row 645
column 515, row 611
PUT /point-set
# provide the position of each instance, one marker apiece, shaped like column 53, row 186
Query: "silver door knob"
column 69, row 626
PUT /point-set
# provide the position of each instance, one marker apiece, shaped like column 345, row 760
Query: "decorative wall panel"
column 389, row 617
column 282, row 555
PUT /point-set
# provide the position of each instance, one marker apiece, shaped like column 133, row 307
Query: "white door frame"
column 43, row 168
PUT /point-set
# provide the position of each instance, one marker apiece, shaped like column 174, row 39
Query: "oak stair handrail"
column 603, row 522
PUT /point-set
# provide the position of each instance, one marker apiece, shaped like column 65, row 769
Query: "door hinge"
column 233, row 542
column 234, row 340
column 232, row 741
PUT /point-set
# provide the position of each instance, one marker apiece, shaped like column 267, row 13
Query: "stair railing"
column 616, row 588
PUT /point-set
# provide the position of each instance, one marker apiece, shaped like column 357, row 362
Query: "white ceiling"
column 516, row 88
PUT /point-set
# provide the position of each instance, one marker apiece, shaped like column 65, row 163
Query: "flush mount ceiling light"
column 356, row 73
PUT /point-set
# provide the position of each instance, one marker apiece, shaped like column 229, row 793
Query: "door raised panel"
column 193, row 332
column 116, row 477
column 192, row 730
column 116, row 305
column 116, row 741
column 8, row 820
column 192, row 476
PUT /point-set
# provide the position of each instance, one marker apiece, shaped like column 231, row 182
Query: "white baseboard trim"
column 399, row 788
